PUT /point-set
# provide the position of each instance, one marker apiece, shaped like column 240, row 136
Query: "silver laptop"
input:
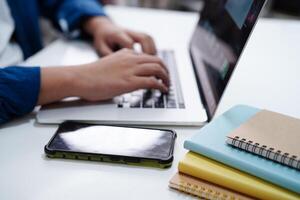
column 215, row 47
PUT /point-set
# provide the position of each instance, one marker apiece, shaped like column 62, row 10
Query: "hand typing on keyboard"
column 154, row 98
column 122, row 72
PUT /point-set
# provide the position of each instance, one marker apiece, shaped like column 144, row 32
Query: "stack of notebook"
column 246, row 153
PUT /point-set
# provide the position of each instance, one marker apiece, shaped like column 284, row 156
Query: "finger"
column 123, row 40
column 104, row 49
column 149, row 83
column 127, row 51
column 145, row 58
column 147, row 43
column 153, row 70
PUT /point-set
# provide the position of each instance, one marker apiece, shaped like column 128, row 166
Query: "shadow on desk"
column 19, row 121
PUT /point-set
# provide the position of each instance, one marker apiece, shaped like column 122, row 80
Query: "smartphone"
column 127, row 145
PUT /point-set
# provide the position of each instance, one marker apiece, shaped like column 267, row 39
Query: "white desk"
column 26, row 174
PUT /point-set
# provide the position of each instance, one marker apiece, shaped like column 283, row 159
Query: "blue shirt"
column 19, row 87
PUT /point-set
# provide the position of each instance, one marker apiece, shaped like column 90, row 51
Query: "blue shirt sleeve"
column 19, row 91
column 67, row 14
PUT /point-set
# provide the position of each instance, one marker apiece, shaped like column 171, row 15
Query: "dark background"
column 274, row 8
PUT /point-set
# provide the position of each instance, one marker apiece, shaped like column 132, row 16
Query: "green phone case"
column 137, row 161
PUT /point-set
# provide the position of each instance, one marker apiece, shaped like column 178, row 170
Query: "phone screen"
column 112, row 140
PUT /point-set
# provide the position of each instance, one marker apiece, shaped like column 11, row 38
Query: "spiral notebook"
column 203, row 189
column 271, row 135
column 210, row 142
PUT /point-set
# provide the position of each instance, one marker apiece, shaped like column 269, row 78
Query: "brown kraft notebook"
column 271, row 135
column 203, row 189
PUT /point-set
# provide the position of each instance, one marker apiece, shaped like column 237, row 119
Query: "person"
column 22, row 88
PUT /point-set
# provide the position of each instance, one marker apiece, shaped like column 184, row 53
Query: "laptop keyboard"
column 154, row 98
column 147, row 99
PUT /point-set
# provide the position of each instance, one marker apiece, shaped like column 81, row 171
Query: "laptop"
column 216, row 45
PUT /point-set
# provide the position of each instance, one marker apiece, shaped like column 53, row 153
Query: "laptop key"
column 126, row 97
column 135, row 101
column 156, row 93
column 171, row 103
column 171, row 97
column 159, row 103
column 120, row 105
column 181, row 105
column 126, row 105
column 148, row 103
column 147, row 99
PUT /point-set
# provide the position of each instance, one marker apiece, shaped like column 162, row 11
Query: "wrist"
column 56, row 83
column 79, row 81
column 75, row 81
column 93, row 24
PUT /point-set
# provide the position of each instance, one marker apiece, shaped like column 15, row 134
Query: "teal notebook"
column 210, row 141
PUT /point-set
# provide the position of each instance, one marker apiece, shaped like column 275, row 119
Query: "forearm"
column 58, row 83
column 92, row 24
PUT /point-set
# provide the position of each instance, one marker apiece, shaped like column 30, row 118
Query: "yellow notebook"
column 203, row 189
column 204, row 168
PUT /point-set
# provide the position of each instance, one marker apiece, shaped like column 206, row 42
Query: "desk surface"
column 26, row 173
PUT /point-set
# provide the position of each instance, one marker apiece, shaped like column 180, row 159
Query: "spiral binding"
column 264, row 151
column 205, row 192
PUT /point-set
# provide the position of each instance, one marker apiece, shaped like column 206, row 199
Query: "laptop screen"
column 217, row 43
